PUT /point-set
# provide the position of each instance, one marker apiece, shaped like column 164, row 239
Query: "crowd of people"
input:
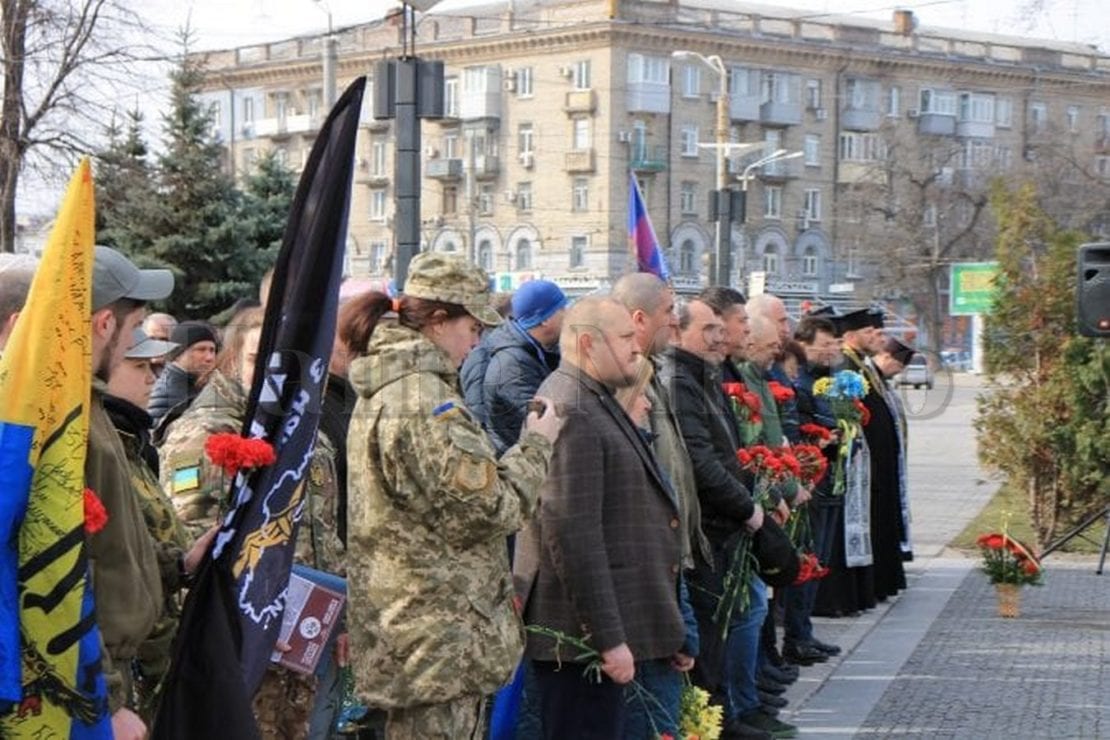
column 542, row 518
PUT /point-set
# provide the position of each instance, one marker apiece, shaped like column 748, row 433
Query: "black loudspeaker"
column 1092, row 292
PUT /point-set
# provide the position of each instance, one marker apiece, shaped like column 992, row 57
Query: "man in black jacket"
column 180, row 381
column 726, row 667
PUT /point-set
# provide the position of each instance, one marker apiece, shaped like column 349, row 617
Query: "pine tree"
column 126, row 200
column 200, row 237
column 267, row 196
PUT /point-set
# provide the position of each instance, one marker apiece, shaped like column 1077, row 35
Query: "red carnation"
column 780, row 392
column 816, row 431
column 864, row 413
column 733, row 390
column 95, row 514
column 232, row 452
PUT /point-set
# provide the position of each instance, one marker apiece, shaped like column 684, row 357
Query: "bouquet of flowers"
column 697, row 718
column 812, row 462
column 1005, row 560
column 815, row 433
column 781, row 393
column 745, row 403
column 844, row 394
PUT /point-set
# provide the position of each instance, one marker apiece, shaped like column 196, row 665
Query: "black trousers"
column 575, row 706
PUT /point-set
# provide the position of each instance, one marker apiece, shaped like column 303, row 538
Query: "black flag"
column 233, row 613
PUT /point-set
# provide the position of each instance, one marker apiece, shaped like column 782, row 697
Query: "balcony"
column 936, row 124
column 474, row 106
column 580, row 101
column 975, row 129
column 860, row 173
column 860, row 119
column 444, row 169
column 366, row 176
column 648, row 97
column 774, row 113
column 648, row 159
column 486, row 166
column 286, row 125
column 783, row 169
column 580, row 161
column 743, row 108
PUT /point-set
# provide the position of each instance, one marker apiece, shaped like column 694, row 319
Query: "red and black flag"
column 234, row 612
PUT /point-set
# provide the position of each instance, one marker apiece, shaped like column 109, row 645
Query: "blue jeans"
column 742, row 653
column 657, row 713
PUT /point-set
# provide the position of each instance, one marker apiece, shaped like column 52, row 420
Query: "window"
column 779, row 87
column 524, row 138
column 1073, row 118
column 813, row 94
column 689, row 141
column 523, row 254
column 377, row 205
column 772, row 201
column 524, row 196
column 476, row 80
column 813, row 205
column 485, row 199
column 377, row 256
column 687, row 256
column 813, row 150
column 578, row 251
column 450, row 200
column 1102, row 167
column 977, row 155
column 686, row 198
column 894, row 102
column 485, row 255
column 581, row 75
column 1038, row 117
column 377, row 159
column 809, row 262
column 643, row 68
column 976, row 108
column 1102, row 125
column 1003, row 112
column 451, row 97
column 861, row 94
column 312, row 103
column 771, row 259
column 580, row 195
column 524, row 82
column 451, row 149
column 1004, row 157
column 639, row 141
column 248, row 110
column 937, row 102
column 929, row 216
column 449, row 246
column 743, row 82
column 861, row 147
column 280, row 103
column 581, row 136
column 691, row 81
column 216, row 110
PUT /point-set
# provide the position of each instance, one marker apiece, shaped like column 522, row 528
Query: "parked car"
column 958, row 361
column 917, row 372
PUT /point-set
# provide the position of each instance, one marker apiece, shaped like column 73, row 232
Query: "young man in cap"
column 124, row 567
column 180, row 381
column 502, row 375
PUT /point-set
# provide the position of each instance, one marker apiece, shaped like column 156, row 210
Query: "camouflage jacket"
column 199, row 489
column 430, row 506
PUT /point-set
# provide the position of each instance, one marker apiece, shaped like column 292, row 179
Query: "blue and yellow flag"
column 50, row 680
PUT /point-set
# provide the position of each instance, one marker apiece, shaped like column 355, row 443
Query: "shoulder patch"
column 444, row 409
column 185, row 479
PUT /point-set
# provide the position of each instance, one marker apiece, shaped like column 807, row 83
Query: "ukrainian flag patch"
column 444, row 408
column 185, row 479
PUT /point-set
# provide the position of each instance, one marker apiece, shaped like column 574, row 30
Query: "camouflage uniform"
column 432, row 622
column 284, row 700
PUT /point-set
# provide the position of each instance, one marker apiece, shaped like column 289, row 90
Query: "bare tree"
column 64, row 65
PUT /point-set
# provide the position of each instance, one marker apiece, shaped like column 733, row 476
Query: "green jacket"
column 431, row 615
column 126, row 577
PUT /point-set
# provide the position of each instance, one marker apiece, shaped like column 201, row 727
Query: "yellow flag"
column 49, row 645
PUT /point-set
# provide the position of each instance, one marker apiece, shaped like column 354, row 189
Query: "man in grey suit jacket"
column 601, row 560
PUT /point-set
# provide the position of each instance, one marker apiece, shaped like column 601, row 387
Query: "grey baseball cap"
column 115, row 277
column 146, row 348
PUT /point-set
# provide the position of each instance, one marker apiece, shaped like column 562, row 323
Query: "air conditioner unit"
column 509, row 84
column 624, row 136
column 431, row 152
column 566, row 71
column 912, row 113
column 820, row 114
column 527, row 159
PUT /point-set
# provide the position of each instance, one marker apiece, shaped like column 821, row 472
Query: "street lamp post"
column 329, row 59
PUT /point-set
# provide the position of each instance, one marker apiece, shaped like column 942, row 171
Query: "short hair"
column 684, row 315
column 721, row 298
column 15, row 284
column 639, row 291
column 584, row 315
column 809, row 326
column 759, row 304
column 795, row 350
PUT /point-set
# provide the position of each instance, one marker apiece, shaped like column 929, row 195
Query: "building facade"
column 549, row 106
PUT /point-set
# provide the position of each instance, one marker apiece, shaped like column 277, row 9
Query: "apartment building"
column 549, row 106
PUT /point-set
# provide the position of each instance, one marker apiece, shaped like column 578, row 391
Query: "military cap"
column 854, row 320
column 442, row 277
column 875, row 316
column 898, row 349
column 825, row 311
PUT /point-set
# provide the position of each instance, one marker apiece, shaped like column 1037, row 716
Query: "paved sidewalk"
column 939, row 662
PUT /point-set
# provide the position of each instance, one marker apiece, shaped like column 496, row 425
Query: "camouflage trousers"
column 284, row 703
column 459, row 719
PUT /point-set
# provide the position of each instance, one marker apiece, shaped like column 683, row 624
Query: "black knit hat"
column 188, row 333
